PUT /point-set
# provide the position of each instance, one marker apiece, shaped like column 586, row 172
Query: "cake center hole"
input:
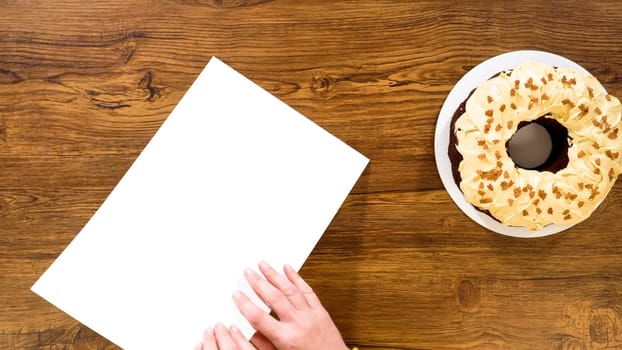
column 531, row 146
column 540, row 144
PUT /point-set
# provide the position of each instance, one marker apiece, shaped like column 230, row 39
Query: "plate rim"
column 469, row 81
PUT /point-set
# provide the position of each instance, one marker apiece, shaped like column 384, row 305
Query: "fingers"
column 269, row 293
column 240, row 339
column 223, row 338
column 288, row 296
column 209, row 341
column 259, row 319
column 284, row 285
column 310, row 296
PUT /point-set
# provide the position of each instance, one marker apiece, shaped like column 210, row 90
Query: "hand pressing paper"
column 233, row 176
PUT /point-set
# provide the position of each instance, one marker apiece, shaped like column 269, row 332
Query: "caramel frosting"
column 529, row 198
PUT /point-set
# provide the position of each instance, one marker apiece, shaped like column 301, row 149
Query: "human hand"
column 221, row 338
column 303, row 323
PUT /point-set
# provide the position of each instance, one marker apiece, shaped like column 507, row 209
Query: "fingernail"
column 237, row 294
column 234, row 329
column 289, row 268
column 248, row 271
column 220, row 326
column 209, row 332
column 264, row 265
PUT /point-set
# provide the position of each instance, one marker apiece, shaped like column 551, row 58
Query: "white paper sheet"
column 232, row 177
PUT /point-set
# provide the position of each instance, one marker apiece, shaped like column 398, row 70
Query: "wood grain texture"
column 85, row 85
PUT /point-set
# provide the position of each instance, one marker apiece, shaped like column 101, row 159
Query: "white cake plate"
column 457, row 95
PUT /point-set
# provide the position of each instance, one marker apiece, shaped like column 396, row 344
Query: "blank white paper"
column 233, row 176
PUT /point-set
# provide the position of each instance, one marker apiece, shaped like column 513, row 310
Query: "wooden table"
column 84, row 85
